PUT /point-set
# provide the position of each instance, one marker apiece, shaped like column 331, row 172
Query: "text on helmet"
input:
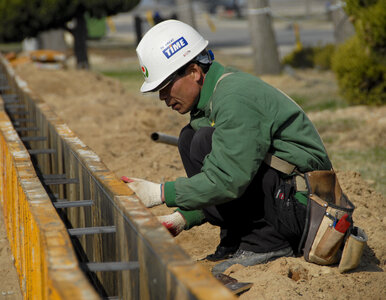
column 175, row 47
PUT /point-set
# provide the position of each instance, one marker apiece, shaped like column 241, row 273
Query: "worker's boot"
column 249, row 258
column 222, row 252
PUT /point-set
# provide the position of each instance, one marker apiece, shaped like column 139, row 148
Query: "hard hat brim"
column 150, row 87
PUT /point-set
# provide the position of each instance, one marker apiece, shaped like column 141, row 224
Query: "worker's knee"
column 201, row 144
column 202, row 140
column 185, row 139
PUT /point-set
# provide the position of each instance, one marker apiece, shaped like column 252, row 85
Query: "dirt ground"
column 117, row 124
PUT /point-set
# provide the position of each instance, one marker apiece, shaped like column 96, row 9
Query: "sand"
column 117, row 124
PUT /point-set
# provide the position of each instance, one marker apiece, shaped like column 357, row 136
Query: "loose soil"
column 117, row 124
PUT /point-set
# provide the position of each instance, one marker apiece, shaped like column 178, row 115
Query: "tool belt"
column 329, row 235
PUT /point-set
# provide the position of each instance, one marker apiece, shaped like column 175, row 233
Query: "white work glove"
column 148, row 192
column 174, row 222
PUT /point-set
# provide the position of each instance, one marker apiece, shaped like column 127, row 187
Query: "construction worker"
column 244, row 150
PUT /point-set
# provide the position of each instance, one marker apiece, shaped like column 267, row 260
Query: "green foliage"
column 300, row 58
column 124, row 75
column 323, row 56
column 338, row 125
column 313, row 103
column 131, row 79
column 361, row 73
column 20, row 18
column 360, row 64
column 370, row 163
column 370, row 22
column 310, row 57
column 103, row 8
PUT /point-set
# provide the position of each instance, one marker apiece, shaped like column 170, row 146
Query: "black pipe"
column 160, row 137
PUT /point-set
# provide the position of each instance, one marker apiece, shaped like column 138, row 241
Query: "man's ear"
column 196, row 72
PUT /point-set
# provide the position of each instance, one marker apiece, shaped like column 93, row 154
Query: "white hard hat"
column 165, row 48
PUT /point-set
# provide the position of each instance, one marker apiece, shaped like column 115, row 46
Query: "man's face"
column 183, row 92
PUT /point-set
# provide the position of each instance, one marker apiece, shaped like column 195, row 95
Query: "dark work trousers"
column 265, row 218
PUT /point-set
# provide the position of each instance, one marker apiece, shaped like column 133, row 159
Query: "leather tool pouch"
column 326, row 204
column 353, row 250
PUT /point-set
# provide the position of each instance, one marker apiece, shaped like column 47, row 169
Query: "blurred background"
column 239, row 26
column 225, row 23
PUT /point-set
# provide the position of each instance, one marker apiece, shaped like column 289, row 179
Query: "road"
column 233, row 33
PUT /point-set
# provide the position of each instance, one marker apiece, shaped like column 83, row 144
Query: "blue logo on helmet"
column 175, row 47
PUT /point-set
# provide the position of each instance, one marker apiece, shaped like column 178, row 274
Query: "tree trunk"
column 185, row 12
column 307, row 8
column 80, row 41
column 343, row 28
column 138, row 27
column 265, row 54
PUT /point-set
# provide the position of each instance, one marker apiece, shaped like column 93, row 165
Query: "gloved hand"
column 174, row 222
column 148, row 192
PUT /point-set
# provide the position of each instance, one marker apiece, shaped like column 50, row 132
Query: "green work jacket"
column 250, row 118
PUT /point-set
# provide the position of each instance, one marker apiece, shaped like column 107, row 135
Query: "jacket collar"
column 214, row 73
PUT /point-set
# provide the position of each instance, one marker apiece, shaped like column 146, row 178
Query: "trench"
column 121, row 248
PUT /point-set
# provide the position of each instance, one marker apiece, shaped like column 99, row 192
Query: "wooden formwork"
column 43, row 253
column 157, row 267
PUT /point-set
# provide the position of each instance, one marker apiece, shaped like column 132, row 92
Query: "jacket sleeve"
column 239, row 144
